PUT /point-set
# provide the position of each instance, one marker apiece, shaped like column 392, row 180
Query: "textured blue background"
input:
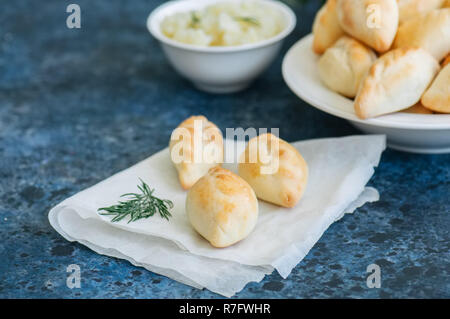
column 79, row 105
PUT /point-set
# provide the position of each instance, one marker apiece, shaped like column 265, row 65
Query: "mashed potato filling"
column 225, row 24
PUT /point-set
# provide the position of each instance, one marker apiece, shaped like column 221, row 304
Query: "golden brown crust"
column 343, row 65
column 371, row 81
column 326, row 28
column 418, row 109
column 182, row 144
column 411, row 8
column 229, row 183
column 373, row 22
column 395, row 82
column 437, row 97
column 446, row 61
column 285, row 182
column 222, row 207
column 430, row 31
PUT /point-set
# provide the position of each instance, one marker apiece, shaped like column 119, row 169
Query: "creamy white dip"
column 225, row 24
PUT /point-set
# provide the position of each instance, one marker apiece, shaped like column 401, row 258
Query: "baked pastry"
column 344, row 64
column 275, row 170
column 374, row 22
column 447, row 4
column 437, row 97
column 446, row 61
column 222, row 207
column 418, row 109
column 395, row 82
column 196, row 145
column 411, row 8
column 326, row 28
column 430, row 31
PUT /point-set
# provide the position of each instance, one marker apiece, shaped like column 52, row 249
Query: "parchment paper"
column 339, row 171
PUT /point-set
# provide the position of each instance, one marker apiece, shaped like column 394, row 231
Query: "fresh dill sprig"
column 195, row 20
column 250, row 20
column 139, row 206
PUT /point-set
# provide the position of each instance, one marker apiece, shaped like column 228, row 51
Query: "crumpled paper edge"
column 299, row 255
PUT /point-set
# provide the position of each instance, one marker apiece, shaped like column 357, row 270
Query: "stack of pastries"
column 221, row 205
column 387, row 55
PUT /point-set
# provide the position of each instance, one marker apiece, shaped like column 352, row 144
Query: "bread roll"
column 446, row 61
column 222, row 207
column 275, row 169
column 395, row 82
column 326, row 28
column 447, row 4
column 411, row 8
column 418, row 109
column 196, row 145
column 429, row 31
column 344, row 64
column 437, row 97
column 374, row 22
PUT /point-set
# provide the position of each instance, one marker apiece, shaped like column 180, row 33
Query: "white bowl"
column 218, row 69
column 417, row 133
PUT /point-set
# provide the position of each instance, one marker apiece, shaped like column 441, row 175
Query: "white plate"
column 418, row 133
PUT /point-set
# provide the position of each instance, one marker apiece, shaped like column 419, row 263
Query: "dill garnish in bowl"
column 195, row 20
column 250, row 20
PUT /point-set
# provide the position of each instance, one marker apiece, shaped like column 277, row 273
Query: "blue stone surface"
column 77, row 105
